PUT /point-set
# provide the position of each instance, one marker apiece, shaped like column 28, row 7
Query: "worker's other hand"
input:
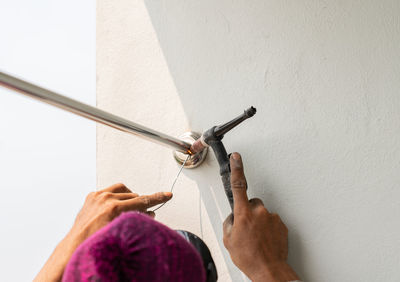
column 103, row 206
column 100, row 208
column 255, row 238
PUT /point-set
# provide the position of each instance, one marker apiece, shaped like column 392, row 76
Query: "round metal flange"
column 194, row 160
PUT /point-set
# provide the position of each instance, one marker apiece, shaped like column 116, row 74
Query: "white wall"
column 323, row 150
column 47, row 156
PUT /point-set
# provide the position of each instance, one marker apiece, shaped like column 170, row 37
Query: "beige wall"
column 323, row 149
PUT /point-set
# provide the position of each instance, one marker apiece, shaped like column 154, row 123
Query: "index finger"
column 142, row 203
column 238, row 185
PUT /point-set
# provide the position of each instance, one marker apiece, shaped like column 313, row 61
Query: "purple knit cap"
column 135, row 247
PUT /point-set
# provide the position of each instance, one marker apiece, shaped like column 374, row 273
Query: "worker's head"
column 134, row 247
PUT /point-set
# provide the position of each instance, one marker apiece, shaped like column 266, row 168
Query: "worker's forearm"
column 277, row 272
column 54, row 268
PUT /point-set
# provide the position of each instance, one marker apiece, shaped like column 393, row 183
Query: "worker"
column 256, row 240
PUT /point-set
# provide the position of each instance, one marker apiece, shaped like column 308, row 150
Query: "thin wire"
column 173, row 184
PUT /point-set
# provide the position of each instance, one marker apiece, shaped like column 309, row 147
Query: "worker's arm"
column 99, row 208
column 255, row 238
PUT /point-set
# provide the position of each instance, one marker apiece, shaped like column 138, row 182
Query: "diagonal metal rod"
column 90, row 112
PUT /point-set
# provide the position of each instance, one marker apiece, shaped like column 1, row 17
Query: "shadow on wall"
column 218, row 54
column 217, row 208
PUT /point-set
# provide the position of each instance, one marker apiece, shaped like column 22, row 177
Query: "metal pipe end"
column 250, row 111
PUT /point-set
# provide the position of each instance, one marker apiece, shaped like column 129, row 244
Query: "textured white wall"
column 47, row 156
column 323, row 150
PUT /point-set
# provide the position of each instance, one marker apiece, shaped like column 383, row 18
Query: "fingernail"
column 237, row 161
column 236, row 156
column 168, row 194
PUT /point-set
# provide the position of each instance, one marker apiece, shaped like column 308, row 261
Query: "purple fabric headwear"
column 135, row 247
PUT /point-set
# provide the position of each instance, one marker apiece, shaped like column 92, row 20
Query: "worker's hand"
column 103, row 206
column 255, row 238
column 99, row 208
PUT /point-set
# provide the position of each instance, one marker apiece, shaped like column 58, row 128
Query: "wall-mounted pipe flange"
column 194, row 160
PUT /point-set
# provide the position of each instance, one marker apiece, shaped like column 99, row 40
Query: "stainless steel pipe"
column 90, row 112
